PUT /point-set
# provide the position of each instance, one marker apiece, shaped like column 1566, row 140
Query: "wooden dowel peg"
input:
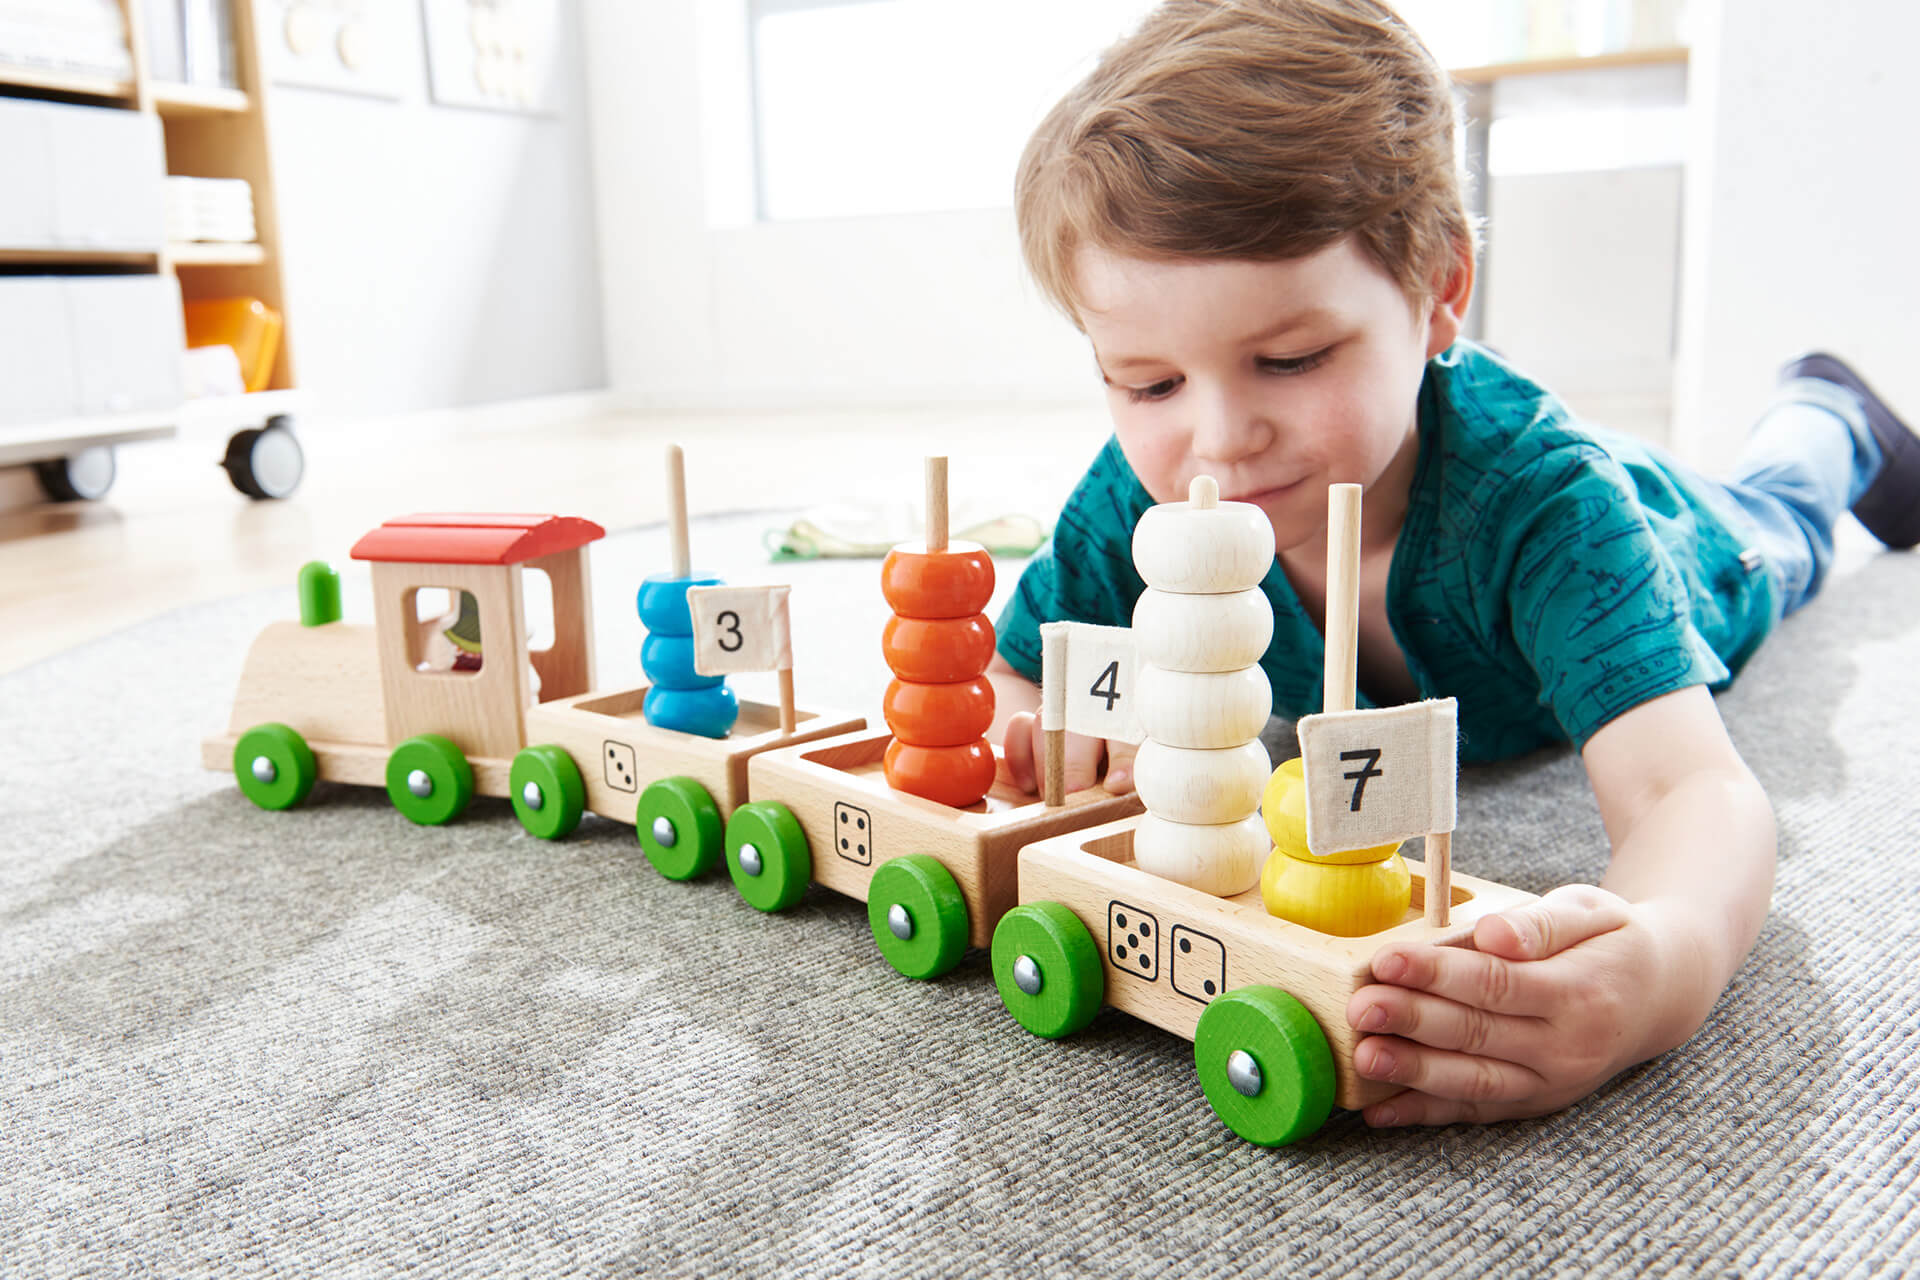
column 677, row 511
column 787, row 717
column 1439, row 877
column 1343, row 598
column 936, row 504
column 1055, row 784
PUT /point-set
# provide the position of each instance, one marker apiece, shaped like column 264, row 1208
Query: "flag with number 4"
column 740, row 629
column 1379, row 776
column 1087, row 681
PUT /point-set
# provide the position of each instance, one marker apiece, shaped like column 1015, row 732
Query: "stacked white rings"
column 1200, row 630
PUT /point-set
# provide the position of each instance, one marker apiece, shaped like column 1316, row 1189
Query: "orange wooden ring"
column 937, row 651
column 958, row 776
column 939, row 715
column 954, row 583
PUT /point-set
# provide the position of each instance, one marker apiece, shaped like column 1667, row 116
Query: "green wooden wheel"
column 918, row 916
column 679, row 828
column 429, row 780
column 274, row 766
column 1047, row 969
column 1265, row 1065
column 767, row 855
column 547, row 791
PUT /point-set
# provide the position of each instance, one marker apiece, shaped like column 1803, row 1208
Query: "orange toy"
column 248, row 325
column 938, row 645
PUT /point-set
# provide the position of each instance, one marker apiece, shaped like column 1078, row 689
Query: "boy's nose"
column 1227, row 428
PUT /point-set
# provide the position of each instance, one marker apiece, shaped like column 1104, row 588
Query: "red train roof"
column 475, row 539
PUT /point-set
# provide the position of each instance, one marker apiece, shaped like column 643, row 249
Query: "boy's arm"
column 1016, row 702
column 1565, row 993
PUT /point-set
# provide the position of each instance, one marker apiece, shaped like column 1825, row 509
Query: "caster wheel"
column 79, row 477
column 265, row 462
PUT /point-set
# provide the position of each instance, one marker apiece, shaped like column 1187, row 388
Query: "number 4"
column 1111, row 678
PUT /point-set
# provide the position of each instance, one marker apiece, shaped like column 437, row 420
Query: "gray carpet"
column 327, row 1042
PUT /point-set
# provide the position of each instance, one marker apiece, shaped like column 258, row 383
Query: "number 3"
column 731, row 621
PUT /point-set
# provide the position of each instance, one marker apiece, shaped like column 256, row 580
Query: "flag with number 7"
column 740, row 629
column 1379, row 776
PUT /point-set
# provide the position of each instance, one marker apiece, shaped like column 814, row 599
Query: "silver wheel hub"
column 419, row 783
column 665, row 834
column 900, row 922
column 1243, row 1073
column 750, row 860
column 263, row 771
column 530, row 795
column 1026, row 975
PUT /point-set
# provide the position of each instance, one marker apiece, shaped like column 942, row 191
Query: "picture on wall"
column 493, row 54
column 352, row 46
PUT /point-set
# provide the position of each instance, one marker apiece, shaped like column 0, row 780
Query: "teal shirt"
column 1550, row 575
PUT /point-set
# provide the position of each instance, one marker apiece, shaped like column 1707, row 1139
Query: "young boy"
column 1252, row 209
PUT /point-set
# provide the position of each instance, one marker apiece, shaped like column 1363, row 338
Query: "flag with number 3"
column 740, row 629
column 1379, row 776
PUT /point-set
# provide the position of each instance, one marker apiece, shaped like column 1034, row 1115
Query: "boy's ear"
column 1447, row 313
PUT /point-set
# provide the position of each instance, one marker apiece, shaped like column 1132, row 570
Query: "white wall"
column 437, row 257
column 925, row 307
column 1801, row 212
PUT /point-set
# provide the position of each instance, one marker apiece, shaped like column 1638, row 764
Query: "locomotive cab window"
column 445, row 636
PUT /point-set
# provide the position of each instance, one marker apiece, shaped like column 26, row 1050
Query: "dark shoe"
column 1890, row 508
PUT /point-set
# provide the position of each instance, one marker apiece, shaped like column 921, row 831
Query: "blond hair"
column 1250, row 129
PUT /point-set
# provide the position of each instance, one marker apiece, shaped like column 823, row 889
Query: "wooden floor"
column 173, row 532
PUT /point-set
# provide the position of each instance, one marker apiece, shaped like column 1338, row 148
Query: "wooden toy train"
column 919, row 819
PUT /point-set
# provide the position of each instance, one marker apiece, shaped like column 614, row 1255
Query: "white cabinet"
column 87, row 178
column 84, row 346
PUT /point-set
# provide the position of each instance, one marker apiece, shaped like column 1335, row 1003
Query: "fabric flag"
column 740, row 629
column 1379, row 776
column 1087, row 681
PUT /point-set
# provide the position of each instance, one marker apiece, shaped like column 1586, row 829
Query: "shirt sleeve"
column 1594, row 600
column 1086, row 573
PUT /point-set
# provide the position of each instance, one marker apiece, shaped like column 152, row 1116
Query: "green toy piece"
column 918, row 916
column 1282, row 1089
column 679, row 828
column 547, row 791
column 767, row 855
column 1062, row 985
column 274, row 766
column 429, row 780
column 319, row 587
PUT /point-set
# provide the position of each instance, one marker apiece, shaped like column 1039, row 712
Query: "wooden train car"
column 935, row 878
column 350, row 703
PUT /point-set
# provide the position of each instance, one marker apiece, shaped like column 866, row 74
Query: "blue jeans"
column 1808, row 460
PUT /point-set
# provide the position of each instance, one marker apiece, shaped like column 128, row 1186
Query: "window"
column 866, row 107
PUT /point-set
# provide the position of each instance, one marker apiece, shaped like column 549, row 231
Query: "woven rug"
column 328, row 1042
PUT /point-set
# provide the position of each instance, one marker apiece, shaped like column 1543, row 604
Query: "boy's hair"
column 1250, row 129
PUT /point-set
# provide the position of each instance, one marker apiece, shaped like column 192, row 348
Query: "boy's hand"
column 1026, row 747
column 1560, row 996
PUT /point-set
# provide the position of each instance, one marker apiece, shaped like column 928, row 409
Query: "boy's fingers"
column 1119, row 779
column 1486, row 1081
column 1083, row 756
column 1446, row 1024
column 1022, row 729
column 1566, row 917
column 1470, row 977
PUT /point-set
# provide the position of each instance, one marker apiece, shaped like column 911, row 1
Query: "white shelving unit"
column 207, row 132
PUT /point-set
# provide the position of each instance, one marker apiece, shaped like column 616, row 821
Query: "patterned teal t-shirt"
column 1550, row 575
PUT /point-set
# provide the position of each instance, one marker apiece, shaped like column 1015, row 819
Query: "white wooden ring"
column 1223, row 859
column 1207, row 550
column 1184, row 785
column 1202, row 633
column 1203, row 710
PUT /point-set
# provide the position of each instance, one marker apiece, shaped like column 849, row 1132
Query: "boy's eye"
column 1155, row 391
column 1292, row 364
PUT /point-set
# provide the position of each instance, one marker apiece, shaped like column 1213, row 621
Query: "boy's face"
column 1275, row 378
